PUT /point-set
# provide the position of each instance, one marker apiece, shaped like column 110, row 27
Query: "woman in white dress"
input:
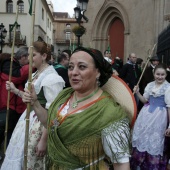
column 47, row 84
column 149, row 132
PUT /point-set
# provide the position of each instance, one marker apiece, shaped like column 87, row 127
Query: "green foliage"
column 78, row 29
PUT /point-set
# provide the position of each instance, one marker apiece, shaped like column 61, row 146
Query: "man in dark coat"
column 130, row 72
column 148, row 74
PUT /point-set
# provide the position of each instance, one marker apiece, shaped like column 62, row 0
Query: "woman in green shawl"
column 86, row 127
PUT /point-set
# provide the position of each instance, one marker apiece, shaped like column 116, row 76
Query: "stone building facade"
column 43, row 27
column 126, row 25
column 64, row 38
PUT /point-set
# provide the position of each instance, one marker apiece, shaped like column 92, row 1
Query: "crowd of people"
column 74, row 123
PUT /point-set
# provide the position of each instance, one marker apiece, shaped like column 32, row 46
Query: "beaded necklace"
column 59, row 118
column 75, row 104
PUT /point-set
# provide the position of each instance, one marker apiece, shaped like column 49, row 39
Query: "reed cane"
column 27, row 118
column 10, row 75
column 149, row 57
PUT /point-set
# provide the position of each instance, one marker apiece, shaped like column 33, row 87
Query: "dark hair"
column 154, row 58
column 61, row 57
column 139, row 61
column 42, row 47
column 22, row 51
column 105, row 68
column 106, row 51
column 4, row 56
column 163, row 66
column 68, row 52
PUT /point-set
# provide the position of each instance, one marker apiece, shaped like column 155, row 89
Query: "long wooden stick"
column 29, row 88
column 10, row 75
column 149, row 57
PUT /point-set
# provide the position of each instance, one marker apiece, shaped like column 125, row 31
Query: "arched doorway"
column 116, row 37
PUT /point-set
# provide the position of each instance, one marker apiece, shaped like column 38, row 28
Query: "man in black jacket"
column 130, row 72
column 62, row 68
column 148, row 74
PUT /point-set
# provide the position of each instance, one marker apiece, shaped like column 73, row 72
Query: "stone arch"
column 105, row 17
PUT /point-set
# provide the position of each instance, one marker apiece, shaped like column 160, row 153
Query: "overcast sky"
column 64, row 6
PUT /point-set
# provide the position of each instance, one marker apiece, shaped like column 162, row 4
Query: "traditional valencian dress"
column 81, row 140
column 47, row 85
column 149, row 131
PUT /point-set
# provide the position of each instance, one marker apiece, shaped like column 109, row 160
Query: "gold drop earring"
column 98, row 82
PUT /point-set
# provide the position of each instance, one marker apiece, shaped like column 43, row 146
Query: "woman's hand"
column 41, row 148
column 167, row 132
column 10, row 87
column 29, row 96
column 136, row 89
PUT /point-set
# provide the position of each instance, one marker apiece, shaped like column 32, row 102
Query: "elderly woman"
column 47, row 85
column 85, row 125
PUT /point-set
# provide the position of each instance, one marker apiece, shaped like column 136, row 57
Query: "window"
column 68, row 31
column 18, row 33
column 9, row 6
column 68, row 25
column 68, row 35
column 48, row 22
column 48, row 40
column 42, row 14
column 20, row 6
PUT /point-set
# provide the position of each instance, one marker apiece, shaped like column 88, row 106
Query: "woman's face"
column 82, row 72
column 38, row 60
column 160, row 75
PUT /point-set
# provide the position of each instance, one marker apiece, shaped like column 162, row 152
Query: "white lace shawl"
column 51, row 82
column 164, row 89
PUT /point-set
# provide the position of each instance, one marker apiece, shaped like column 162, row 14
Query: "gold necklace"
column 75, row 104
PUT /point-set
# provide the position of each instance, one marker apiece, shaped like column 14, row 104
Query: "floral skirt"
column 147, row 162
column 15, row 152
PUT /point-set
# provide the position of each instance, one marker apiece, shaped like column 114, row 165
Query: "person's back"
column 107, row 56
column 61, row 68
column 118, row 64
column 19, row 77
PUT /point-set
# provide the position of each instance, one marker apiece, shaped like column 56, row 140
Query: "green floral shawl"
column 78, row 127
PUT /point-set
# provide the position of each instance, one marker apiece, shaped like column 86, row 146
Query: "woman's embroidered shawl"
column 77, row 141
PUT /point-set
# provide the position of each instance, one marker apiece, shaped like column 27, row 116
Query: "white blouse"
column 163, row 89
column 51, row 82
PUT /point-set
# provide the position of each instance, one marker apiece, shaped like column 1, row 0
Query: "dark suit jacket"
column 147, row 78
column 130, row 74
column 168, row 76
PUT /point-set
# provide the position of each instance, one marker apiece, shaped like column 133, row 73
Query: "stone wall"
column 143, row 22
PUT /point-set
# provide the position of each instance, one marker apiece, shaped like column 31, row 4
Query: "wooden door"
column 116, row 38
